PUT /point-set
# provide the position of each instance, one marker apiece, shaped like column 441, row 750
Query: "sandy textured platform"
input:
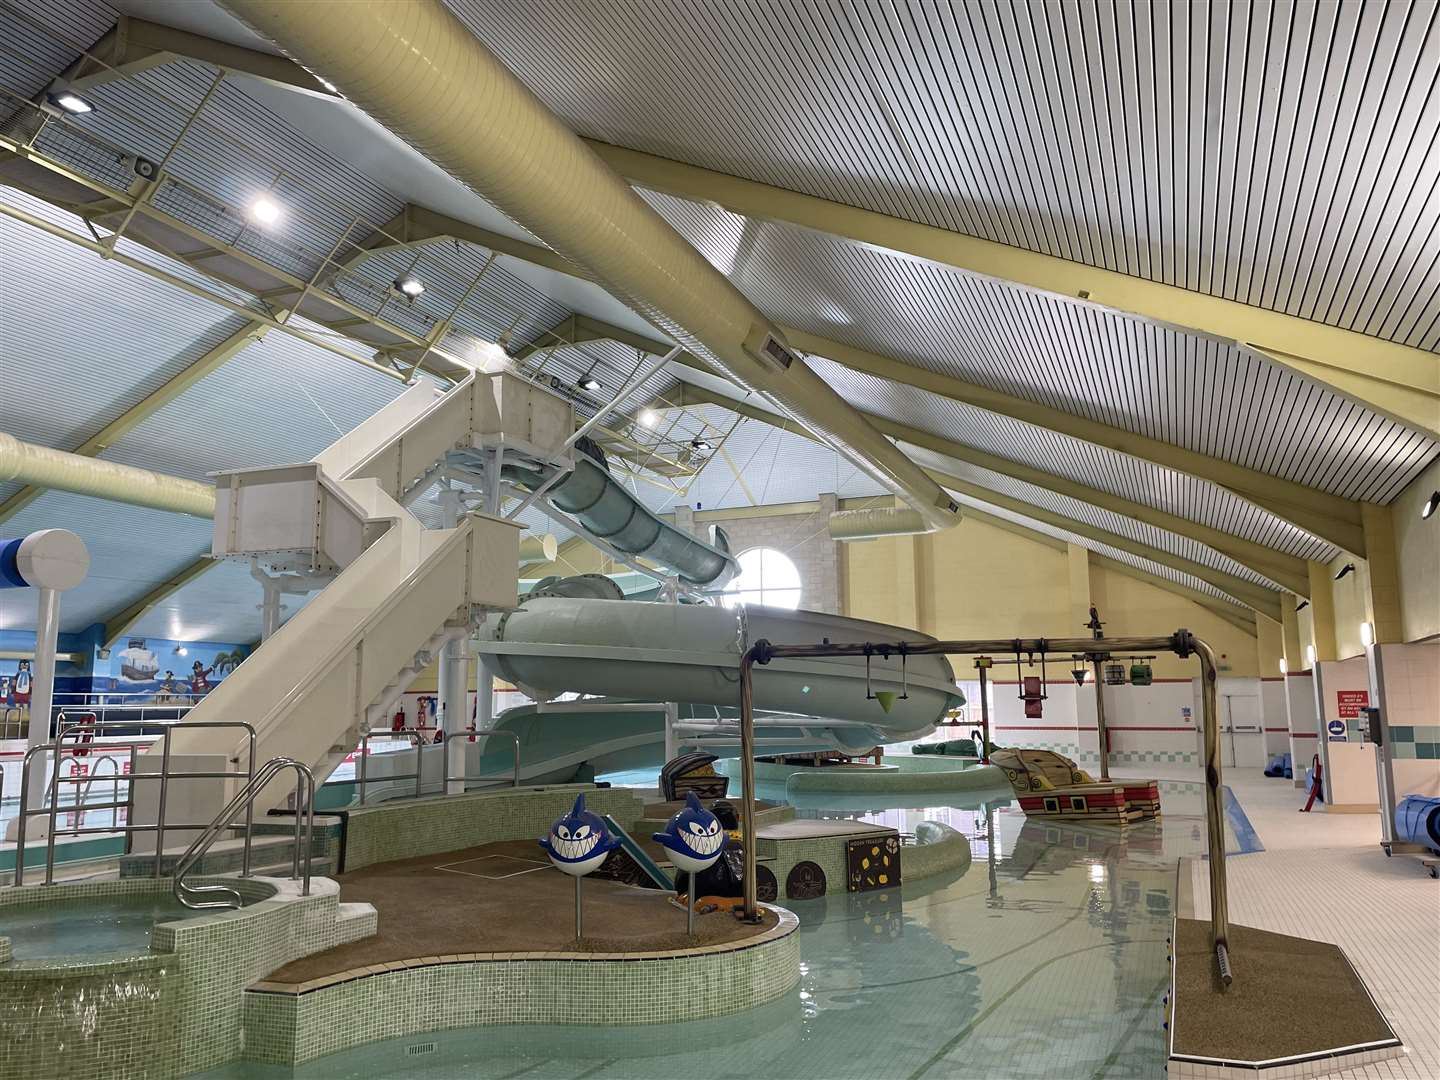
column 504, row 897
column 1291, row 998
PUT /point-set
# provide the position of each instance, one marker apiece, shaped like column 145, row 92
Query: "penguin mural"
column 578, row 842
column 692, row 838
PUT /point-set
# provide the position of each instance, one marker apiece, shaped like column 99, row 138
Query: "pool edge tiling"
column 293, row 1024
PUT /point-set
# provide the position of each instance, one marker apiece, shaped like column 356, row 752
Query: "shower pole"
column 1183, row 643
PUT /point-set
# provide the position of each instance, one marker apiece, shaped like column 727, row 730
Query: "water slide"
column 397, row 592
column 633, row 655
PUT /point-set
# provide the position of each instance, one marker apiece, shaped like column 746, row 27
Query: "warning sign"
column 1350, row 702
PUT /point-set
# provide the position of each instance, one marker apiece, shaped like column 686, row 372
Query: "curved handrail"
column 304, row 815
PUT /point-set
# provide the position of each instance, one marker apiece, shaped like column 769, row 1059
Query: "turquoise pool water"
column 1045, row 959
column 93, row 928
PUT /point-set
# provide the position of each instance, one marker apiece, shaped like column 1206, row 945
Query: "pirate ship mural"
column 168, row 672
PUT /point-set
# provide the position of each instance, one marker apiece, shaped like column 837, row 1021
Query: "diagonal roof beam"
column 1328, row 516
column 210, row 361
column 1266, row 601
column 1395, row 379
column 1283, row 569
column 118, row 623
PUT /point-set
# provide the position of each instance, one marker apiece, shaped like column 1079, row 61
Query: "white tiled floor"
column 1323, row 876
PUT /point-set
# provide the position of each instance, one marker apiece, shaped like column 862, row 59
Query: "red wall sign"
column 1351, row 702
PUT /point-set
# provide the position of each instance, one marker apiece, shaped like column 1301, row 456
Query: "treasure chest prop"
column 695, row 772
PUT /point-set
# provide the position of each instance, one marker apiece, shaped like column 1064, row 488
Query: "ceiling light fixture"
column 1301, row 606
column 701, row 444
column 71, row 102
column 649, row 418
column 1348, row 568
column 1310, row 655
column 409, row 286
column 588, row 382
column 1284, row 667
column 1367, row 634
column 265, row 210
column 1431, row 504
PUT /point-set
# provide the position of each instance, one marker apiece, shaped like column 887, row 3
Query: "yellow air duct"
column 539, row 549
column 873, row 524
column 416, row 69
column 42, row 467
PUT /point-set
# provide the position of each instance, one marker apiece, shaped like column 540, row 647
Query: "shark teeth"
column 702, row 845
column 574, row 849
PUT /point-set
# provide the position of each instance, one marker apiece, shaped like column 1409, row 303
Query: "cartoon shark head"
column 579, row 841
column 693, row 837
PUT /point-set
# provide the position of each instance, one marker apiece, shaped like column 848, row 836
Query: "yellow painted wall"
column 974, row 581
column 1352, row 605
column 1131, row 607
column 1417, row 551
column 1269, row 645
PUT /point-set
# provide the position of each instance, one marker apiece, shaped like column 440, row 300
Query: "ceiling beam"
column 1266, row 601
column 133, row 45
column 1395, row 379
column 1238, row 617
column 1330, row 517
column 206, row 364
column 118, row 623
column 1283, row 569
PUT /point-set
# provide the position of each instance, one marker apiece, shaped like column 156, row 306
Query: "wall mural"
column 166, row 672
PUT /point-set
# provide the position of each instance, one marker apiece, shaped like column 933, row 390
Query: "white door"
column 1242, row 736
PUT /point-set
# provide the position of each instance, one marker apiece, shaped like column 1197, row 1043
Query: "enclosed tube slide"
column 610, row 511
column 418, row 70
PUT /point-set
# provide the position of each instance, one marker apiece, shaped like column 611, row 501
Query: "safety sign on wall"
column 1350, row 702
column 1336, row 728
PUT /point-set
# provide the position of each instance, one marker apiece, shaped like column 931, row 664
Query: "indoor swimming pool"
column 1046, row 958
column 88, row 928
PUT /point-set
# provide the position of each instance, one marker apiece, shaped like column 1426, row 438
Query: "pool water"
column 1045, row 959
column 100, row 926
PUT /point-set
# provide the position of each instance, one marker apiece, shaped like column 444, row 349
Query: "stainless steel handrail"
column 304, row 816
column 164, row 776
column 419, row 740
column 83, row 795
column 460, row 737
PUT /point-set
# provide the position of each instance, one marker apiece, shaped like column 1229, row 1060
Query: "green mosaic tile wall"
column 952, row 852
column 290, row 1028
column 826, row 852
column 178, row 1009
column 405, row 829
column 1415, row 740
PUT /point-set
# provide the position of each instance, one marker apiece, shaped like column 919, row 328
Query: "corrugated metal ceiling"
column 1279, row 154
column 1197, row 392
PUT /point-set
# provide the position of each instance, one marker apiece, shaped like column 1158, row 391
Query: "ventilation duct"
column 417, row 70
column 539, row 549
column 43, row 467
column 873, row 524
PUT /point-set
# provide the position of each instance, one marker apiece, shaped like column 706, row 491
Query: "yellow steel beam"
column 1283, row 569
column 1328, row 516
column 132, row 45
column 118, row 623
column 1266, row 601
column 1238, row 617
column 209, row 362
column 1398, row 380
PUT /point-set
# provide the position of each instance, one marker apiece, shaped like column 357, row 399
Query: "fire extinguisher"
column 397, row 722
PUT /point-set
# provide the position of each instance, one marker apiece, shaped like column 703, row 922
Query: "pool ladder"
column 244, row 799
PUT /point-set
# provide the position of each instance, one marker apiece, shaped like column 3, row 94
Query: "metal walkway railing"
column 245, row 799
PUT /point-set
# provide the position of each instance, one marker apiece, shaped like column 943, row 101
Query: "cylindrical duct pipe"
column 873, row 524
column 539, row 549
column 418, row 70
column 47, row 468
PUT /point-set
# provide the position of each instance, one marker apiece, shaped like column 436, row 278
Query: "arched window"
column 766, row 577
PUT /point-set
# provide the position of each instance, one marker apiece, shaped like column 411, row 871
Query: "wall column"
column 1379, row 525
column 1322, row 608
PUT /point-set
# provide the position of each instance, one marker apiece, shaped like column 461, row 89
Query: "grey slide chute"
column 611, row 512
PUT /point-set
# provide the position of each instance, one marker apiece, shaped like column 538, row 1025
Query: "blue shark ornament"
column 578, row 842
column 692, row 838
